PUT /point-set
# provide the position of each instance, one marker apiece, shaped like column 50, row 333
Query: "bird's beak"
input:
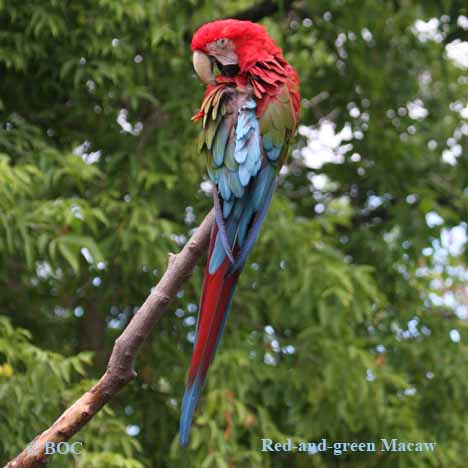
column 203, row 67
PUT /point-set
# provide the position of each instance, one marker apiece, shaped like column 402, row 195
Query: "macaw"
column 249, row 115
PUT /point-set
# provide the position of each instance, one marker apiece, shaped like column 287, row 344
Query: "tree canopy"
column 349, row 322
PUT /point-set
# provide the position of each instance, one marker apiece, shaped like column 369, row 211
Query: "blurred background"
column 350, row 320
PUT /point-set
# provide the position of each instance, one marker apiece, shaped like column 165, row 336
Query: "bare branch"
column 263, row 9
column 120, row 370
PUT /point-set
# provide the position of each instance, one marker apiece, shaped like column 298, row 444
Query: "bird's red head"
column 234, row 45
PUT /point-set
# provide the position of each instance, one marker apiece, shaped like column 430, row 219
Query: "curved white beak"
column 203, row 67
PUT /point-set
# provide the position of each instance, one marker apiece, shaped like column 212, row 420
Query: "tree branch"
column 263, row 9
column 120, row 370
column 256, row 12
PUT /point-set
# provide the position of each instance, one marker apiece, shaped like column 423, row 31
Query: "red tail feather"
column 214, row 304
column 214, row 307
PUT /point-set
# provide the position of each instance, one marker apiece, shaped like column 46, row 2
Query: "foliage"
column 26, row 409
column 346, row 324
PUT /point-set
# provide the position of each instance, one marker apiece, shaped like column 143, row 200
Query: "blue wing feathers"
column 217, row 257
column 244, row 224
column 241, row 154
column 263, row 183
column 235, row 184
column 224, row 188
column 219, row 252
column 250, row 104
column 220, row 143
column 221, row 226
column 272, row 150
column 229, row 159
column 244, row 179
column 227, row 207
column 273, row 153
column 255, row 224
column 244, row 175
column 267, row 142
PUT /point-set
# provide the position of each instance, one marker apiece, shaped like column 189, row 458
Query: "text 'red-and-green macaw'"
column 249, row 115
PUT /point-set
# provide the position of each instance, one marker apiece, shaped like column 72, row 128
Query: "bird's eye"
column 221, row 42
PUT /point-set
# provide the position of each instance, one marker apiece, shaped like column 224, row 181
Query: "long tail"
column 218, row 289
column 219, row 283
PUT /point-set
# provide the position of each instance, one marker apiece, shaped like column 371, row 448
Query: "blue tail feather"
column 193, row 390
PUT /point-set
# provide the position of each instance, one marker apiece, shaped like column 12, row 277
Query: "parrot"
column 248, row 116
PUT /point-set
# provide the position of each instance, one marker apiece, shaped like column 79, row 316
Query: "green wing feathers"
column 277, row 125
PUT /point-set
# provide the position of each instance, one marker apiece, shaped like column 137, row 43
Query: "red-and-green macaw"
column 249, row 114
